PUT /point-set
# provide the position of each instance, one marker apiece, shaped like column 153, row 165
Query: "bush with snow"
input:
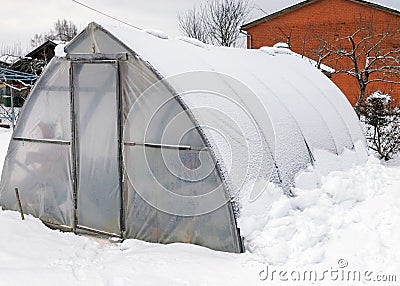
column 382, row 123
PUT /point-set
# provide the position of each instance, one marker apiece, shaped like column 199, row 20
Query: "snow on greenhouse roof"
column 307, row 112
column 283, row 48
column 176, row 56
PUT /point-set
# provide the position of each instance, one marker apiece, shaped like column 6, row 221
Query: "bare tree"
column 365, row 55
column 37, row 40
column 321, row 53
column 216, row 22
column 13, row 49
column 63, row 30
column 192, row 24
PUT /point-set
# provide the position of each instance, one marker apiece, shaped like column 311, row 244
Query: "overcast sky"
column 21, row 19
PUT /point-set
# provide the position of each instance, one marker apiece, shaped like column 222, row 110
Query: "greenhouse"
column 136, row 135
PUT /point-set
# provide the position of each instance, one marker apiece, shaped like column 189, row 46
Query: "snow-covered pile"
column 353, row 216
column 283, row 48
column 157, row 33
column 378, row 95
column 9, row 59
column 276, row 50
column 192, row 41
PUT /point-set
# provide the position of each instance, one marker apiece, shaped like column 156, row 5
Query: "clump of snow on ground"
column 353, row 215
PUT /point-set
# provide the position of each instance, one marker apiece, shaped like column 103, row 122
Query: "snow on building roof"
column 281, row 7
column 9, row 59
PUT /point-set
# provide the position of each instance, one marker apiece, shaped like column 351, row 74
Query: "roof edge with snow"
column 308, row 2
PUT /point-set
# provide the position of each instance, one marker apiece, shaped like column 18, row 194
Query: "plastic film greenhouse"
column 136, row 135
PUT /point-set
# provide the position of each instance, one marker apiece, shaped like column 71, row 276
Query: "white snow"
column 283, row 48
column 276, row 49
column 9, row 59
column 192, row 41
column 59, row 50
column 386, row 98
column 354, row 215
column 156, row 33
column 281, row 45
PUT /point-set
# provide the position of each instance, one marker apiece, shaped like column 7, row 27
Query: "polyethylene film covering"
column 155, row 116
column 94, row 40
column 237, row 126
column 41, row 170
column 42, row 174
column 175, row 193
column 46, row 113
column 95, row 95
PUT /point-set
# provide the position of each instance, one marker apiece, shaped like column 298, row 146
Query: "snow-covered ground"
column 350, row 223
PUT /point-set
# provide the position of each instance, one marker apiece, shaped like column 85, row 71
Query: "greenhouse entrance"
column 96, row 148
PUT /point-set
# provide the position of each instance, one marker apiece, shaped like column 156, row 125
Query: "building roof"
column 307, row 2
column 37, row 51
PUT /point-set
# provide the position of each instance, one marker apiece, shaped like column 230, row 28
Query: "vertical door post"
column 73, row 149
column 120, row 150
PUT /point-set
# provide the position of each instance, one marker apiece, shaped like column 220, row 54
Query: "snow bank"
column 34, row 255
column 354, row 214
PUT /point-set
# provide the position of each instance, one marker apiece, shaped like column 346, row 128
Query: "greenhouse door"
column 96, row 151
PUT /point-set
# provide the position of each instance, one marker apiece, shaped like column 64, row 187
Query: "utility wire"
column 102, row 13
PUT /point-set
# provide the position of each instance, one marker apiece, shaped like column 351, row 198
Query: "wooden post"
column 19, row 204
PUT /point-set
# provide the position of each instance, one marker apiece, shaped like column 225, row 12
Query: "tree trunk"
column 360, row 101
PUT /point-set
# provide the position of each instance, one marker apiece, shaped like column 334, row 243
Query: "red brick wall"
column 330, row 20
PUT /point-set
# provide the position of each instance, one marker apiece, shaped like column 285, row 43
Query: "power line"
column 104, row 14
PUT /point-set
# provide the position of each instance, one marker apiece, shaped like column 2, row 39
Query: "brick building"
column 309, row 25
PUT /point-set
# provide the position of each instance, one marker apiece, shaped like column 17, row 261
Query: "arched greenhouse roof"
column 264, row 112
